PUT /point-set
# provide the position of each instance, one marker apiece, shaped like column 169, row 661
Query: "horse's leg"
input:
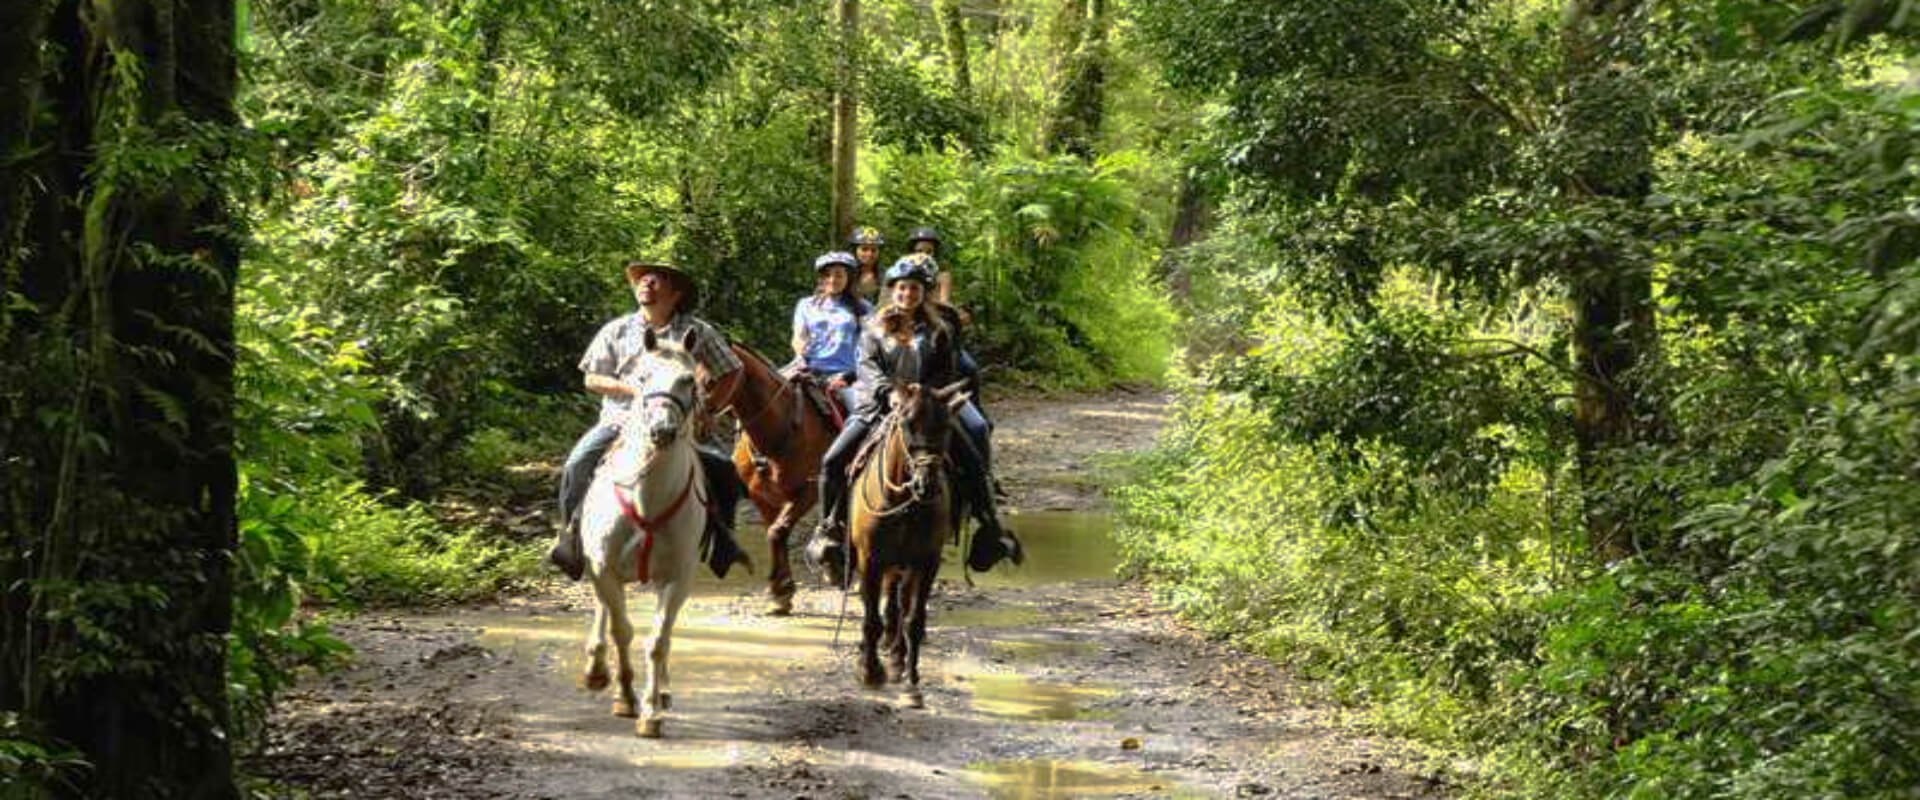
column 896, row 647
column 919, row 588
column 594, row 678
column 870, row 626
column 659, row 696
column 780, row 585
column 610, row 595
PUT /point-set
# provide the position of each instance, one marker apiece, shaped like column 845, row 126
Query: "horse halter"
column 678, row 403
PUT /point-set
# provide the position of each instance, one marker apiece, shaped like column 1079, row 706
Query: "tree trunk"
column 954, row 27
column 118, row 376
column 1607, row 113
column 846, row 115
column 1074, row 123
column 1192, row 220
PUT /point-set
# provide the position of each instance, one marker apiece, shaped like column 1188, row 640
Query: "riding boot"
column 992, row 542
column 566, row 553
column 826, row 550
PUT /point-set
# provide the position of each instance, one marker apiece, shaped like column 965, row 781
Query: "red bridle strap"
column 649, row 526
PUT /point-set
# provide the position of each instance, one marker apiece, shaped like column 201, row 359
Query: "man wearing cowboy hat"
column 612, row 364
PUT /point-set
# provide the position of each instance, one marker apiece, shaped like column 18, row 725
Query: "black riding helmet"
column 865, row 234
column 923, row 234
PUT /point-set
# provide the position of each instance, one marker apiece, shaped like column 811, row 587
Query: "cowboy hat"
column 683, row 281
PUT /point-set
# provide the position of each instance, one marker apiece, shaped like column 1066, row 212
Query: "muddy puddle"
column 1047, row 779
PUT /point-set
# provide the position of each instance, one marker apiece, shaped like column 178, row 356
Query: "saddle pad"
column 871, row 445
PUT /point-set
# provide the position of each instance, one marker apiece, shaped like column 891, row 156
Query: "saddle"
column 814, row 389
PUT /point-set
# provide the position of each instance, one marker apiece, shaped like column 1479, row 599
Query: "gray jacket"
column 931, row 360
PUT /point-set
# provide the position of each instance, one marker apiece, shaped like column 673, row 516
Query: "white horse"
column 641, row 522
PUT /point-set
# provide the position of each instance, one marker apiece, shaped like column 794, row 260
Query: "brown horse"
column 779, row 457
column 902, row 504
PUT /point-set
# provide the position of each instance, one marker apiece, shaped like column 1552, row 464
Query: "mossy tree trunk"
column 1073, row 125
column 117, row 377
column 1606, row 115
column 953, row 28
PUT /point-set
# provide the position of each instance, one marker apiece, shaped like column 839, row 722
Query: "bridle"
column 623, row 491
column 921, row 467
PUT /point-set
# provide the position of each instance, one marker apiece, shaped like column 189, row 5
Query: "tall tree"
column 846, row 117
column 1079, row 101
column 953, row 28
column 1606, row 117
column 117, row 328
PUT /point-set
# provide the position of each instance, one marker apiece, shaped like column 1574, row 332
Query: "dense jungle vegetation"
column 1548, row 370
column 1553, row 381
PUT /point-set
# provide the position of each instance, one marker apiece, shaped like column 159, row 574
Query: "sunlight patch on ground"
column 1045, row 779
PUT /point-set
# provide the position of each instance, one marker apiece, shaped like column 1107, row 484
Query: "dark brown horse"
column 778, row 458
column 902, row 504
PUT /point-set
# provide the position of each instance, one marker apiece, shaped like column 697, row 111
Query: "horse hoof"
column 873, row 680
column 914, row 700
column 622, row 708
column 780, row 608
column 594, row 681
column 666, row 701
column 648, row 728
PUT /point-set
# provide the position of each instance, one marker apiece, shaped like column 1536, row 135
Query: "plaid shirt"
column 616, row 350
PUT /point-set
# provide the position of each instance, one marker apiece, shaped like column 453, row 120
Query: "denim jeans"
column 577, row 475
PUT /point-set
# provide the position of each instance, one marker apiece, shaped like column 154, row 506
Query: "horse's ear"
column 687, row 339
column 948, row 391
column 649, row 341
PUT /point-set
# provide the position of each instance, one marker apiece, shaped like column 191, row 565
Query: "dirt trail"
column 1054, row 680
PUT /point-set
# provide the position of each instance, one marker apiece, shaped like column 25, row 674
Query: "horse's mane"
column 756, row 355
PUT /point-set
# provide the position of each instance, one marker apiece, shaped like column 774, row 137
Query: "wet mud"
column 1050, row 680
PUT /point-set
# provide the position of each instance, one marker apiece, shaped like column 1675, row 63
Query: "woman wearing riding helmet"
column 865, row 243
column 929, row 357
column 826, row 326
column 927, row 240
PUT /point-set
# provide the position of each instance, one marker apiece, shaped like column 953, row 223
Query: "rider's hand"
column 837, row 383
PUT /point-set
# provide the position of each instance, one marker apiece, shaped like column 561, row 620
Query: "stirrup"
column 827, row 553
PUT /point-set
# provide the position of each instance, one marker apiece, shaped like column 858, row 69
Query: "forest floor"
column 1049, row 680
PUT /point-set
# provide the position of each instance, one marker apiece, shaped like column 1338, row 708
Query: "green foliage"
column 309, row 532
column 1374, row 470
column 31, row 768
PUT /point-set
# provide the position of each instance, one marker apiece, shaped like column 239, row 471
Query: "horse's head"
column 925, row 412
column 664, row 404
